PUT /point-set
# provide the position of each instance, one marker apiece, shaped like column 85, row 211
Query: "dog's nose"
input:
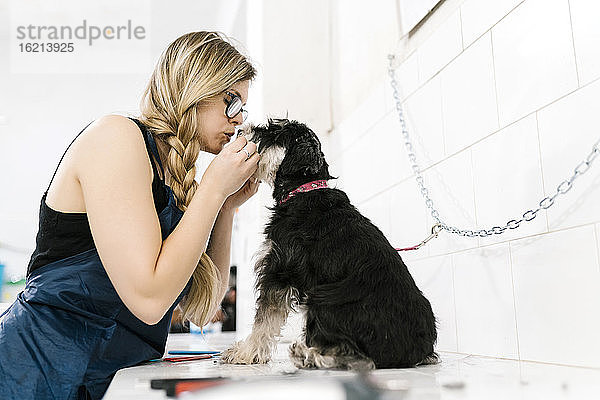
column 246, row 130
column 240, row 132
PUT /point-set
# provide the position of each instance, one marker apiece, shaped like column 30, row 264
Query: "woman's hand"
column 242, row 195
column 230, row 170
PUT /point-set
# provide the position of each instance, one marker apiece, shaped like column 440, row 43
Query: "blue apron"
column 68, row 332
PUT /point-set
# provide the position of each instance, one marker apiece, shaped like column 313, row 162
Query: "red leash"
column 435, row 230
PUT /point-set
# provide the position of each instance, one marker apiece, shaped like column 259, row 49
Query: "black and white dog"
column 363, row 308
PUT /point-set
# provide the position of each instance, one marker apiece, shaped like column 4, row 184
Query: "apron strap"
column 148, row 139
column 154, row 150
column 151, row 144
column 63, row 156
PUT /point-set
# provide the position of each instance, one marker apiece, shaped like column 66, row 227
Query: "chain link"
column 527, row 216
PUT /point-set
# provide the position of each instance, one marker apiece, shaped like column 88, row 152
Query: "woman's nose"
column 237, row 120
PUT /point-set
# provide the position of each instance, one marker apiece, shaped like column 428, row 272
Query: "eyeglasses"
column 234, row 106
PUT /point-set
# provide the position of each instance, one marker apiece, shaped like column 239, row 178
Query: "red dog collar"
column 307, row 187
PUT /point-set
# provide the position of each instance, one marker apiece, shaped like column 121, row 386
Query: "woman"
column 130, row 240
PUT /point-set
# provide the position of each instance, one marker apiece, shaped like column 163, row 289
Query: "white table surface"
column 458, row 376
column 4, row 306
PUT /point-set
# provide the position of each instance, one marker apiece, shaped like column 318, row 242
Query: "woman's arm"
column 219, row 246
column 115, row 174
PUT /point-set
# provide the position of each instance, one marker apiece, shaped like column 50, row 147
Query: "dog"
column 362, row 307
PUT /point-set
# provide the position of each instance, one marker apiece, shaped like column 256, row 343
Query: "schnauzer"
column 363, row 308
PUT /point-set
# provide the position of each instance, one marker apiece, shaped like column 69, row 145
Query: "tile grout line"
column 464, row 49
column 468, row 355
column 597, row 245
column 462, row 37
column 573, row 42
column 452, row 265
column 418, row 78
column 493, row 61
column 510, row 124
column 435, row 164
column 474, row 196
column 442, row 116
column 495, row 80
column 500, row 128
column 386, row 112
column 331, row 67
column 419, row 83
column 508, row 240
column 496, row 23
column 537, row 127
column 512, row 280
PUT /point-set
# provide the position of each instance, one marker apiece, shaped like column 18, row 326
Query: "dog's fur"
column 363, row 308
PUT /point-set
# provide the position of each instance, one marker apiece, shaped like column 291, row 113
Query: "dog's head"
column 290, row 154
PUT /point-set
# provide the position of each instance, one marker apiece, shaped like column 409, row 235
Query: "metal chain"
column 527, row 216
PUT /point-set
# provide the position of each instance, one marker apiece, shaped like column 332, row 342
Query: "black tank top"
column 61, row 235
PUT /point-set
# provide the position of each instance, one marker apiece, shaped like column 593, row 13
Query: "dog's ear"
column 306, row 158
column 277, row 125
column 313, row 158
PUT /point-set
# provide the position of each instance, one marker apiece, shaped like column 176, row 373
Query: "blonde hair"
column 194, row 68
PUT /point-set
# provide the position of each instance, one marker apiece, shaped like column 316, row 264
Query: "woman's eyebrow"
column 239, row 95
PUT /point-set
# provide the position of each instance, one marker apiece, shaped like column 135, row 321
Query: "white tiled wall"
column 557, row 297
column 483, row 276
column 451, row 188
column 435, row 278
column 501, row 103
column 405, row 226
column 469, row 97
column 425, row 122
column 508, row 179
column 598, row 239
column 501, row 100
column 567, row 128
column 443, row 45
column 534, row 57
column 586, row 35
column 478, row 16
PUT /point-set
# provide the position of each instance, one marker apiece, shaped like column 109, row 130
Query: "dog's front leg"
column 273, row 305
column 272, row 310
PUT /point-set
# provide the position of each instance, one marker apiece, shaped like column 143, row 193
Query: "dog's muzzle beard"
column 270, row 160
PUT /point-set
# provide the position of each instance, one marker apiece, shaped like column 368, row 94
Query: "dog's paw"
column 301, row 356
column 232, row 356
column 244, row 353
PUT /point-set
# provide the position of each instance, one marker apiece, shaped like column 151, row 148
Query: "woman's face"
column 217, row 129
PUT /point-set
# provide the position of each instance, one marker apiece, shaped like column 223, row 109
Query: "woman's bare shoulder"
column 113, row 126
column 112, row 137
column 112, row 132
